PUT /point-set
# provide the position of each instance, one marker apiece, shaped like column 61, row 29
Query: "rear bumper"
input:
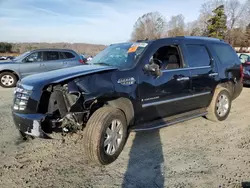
column 30, row 124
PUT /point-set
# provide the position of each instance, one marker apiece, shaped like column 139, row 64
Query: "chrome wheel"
column 222, row 105
column 7, row 80
column 113, row 137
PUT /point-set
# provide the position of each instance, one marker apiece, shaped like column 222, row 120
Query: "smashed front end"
column 58, row 108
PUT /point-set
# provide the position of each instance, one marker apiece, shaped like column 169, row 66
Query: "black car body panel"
column 146, row 97
column 246, row 71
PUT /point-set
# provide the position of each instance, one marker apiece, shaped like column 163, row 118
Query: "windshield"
column 122, row 55
column 21, row 56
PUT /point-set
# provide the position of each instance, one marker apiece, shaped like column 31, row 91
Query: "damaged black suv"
column 137, row 86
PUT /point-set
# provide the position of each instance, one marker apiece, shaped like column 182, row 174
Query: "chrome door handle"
column 182, row 78
column 213, row 74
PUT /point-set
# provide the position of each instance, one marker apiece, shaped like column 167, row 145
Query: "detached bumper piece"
column 30, row 124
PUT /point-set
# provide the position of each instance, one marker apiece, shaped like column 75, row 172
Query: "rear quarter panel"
column 230, row 71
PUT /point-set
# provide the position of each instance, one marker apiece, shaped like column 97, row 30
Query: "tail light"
column 81, row 61
column 248, row 63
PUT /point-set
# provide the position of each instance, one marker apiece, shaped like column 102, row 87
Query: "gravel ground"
column 196, row 153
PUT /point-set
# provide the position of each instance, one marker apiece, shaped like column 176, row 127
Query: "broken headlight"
column 22, row 93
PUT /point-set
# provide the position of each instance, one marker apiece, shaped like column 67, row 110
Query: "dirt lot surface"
column 197, row 153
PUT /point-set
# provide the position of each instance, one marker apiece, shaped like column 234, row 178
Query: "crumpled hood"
column 60, row 75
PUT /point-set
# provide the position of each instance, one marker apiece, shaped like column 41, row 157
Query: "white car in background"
column 3, row 58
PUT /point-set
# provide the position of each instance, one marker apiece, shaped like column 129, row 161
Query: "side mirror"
column 29, row 59
column 153, row 69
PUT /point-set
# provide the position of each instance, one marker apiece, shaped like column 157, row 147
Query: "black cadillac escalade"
column 134, row 86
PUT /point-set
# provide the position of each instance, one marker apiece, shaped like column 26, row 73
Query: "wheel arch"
column 125, row 105
column 11, row 71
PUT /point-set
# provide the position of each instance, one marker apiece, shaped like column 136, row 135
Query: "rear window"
column 198, row 55
column 52, row 55
column 226, row 54
column 68, row 55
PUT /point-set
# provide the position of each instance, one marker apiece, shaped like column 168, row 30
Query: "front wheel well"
column 125, row 105
column 11, row 71
column 122, row 103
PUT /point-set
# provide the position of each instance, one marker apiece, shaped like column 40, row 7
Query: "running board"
column 165, row 122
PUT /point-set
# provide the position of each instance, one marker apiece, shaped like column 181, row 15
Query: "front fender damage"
column 69, row 109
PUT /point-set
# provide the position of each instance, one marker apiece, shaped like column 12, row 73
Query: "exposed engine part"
column 67, row 109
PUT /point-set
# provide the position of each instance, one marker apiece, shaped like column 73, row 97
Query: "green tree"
column 5, row 47
column 217, row 23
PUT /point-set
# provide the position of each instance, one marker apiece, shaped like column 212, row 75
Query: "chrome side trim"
column 173, row 100
column 170, row 123
column 214, row 74
column 188, row 68
column 182, row 78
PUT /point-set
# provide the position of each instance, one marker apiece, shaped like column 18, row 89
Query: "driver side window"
column 167, row 58
column 34, row 57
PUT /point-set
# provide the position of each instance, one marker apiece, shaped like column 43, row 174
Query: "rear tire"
column 220, row 105
column 105, row 135
column 8, row 80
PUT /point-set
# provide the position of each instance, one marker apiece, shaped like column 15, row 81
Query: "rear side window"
column 198, row 55
column 68, row 55
column 226, row 54
column 53, row 55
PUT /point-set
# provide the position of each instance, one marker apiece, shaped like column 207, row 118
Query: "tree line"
column 224, row 19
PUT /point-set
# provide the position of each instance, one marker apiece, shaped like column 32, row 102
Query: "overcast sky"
column 89, row 21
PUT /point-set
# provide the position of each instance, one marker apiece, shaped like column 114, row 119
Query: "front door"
column 168, row 94
column 32, row 64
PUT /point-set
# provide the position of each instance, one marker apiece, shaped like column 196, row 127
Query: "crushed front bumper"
column 30, row 124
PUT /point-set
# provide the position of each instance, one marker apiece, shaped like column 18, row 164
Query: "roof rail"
column 142, row 40
column 199, row 37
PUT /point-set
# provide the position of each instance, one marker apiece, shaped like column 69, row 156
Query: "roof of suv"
column 188, row 38
column 53, row 49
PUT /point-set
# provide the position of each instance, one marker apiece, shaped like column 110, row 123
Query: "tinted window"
column 52, row 56
column 34, row 57
column 68, row 55
column 61, row 56
column 226, row 54
column 198, row 56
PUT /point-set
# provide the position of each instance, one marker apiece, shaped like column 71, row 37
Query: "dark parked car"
column 137, row 86
column 36, row 61
column 246, row 71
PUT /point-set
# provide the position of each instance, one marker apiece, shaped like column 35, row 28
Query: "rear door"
column 204, row 74
column 32, row 64
column 70, row 59
column 53, row 60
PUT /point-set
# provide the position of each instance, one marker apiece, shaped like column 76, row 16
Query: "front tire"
column 220, row 105
column 105, row 135
column 8, row 80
